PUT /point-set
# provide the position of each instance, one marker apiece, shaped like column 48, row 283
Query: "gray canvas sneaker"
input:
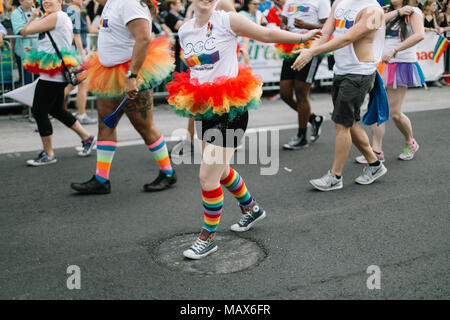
column 328, row 182
column 201, row 248
column 370, row 174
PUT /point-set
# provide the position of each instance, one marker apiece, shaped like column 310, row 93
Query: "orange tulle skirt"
column 109, row 82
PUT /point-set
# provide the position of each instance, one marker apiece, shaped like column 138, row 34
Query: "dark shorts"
column 221, row 131
column 306, row 75
column 348, row 94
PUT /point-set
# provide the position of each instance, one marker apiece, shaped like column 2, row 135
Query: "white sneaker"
column 328, row 182
column 370, row 174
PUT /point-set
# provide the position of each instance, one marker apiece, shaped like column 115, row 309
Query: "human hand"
column 305, row 56
column 312, row 35
column 131, row 88
column 36, row 13
column 406, row 10
column 388, row 56
column 300, row 24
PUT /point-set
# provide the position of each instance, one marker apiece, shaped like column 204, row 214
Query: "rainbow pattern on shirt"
column 203, row 59
column 104, row 23
column 343, row 24
column 298, row 9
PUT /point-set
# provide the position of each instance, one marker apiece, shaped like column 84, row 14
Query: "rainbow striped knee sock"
column 236, row 185
column 161, row 155
column 212, row 208
column 105, row 154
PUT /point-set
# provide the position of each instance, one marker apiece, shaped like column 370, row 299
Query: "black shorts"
column 348, row 94
column 306, row 75
column 221, row 131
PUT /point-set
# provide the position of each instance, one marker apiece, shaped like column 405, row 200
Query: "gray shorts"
column 348, row 94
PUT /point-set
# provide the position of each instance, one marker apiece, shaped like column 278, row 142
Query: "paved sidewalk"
column 18, row 135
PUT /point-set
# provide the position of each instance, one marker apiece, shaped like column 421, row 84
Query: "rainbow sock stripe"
column 203, row 59
column 343, row 24
column 236, row 185
column 105, row 154
column 298, row 9
column 161, row 155
column 212, row 208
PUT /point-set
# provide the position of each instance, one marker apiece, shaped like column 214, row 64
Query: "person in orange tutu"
column 128, row 64
column 218, row 93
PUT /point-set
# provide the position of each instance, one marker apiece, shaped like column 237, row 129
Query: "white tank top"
column 346, row 60
column 210, row 51
column 393, row 39
column 63, row 37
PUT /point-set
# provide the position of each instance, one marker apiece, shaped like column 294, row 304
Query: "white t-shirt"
column 210, row 51
column 394, row 39
column 347, row 62
column 115, row 41
column 63, row 37
column 310, row 11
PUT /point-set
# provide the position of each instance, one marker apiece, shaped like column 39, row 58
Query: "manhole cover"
column 234, row 254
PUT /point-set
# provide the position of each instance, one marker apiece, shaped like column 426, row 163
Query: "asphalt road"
column 317, row 245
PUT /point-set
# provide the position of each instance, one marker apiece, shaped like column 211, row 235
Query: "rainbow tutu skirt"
column 38, row 62
column 109, row 82
column 225, row 95
column 403, row 74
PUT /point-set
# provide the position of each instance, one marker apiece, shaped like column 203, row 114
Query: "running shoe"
column 409, row 151
column 92, row 186
column 296, row 143
column 85, row 119
column 88, row 145
column 42, row 159
column 182, row 148
column 201, row 248
column 316, row 130
column 162, row 182
column 370, row 174
column 362, row 160
column 328, row 182
column 249, row 218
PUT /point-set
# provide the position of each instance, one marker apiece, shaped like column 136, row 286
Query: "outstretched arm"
column 42, row 25
column 371, row 18
column 243, row 27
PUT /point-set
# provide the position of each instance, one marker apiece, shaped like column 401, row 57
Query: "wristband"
column 399, row 13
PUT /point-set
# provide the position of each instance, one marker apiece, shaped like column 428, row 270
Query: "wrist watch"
column 131, row 75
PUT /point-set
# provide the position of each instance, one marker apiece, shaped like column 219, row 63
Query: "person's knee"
column 396, row 116
column 206, row 180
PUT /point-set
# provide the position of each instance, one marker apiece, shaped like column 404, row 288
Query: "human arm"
column 244, row 50
column 243, row 27
column 403, row 11
column 419, row 35
column 300, row 24
column 42, row 25
column 140, row 30
column 371, row 19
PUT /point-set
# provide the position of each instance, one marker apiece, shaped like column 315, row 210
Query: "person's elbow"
column 144, row 39
column 420, row 36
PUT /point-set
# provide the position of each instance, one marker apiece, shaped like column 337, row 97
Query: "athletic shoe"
column 92, row 186
column 249, row 218
column 370, row 174
column 316, row 130
column 42, row 160
column 88, row 145
column 201, row 248
column 84, row 120
column 182, row 148
column 162, row 182
column 362, row 160
column 409, row 151
column 296, row 143
column 328, row 182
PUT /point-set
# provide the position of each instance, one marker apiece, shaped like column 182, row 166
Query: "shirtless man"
column 358, row 29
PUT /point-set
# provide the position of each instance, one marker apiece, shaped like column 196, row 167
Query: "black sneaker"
column 162, row 182
column 92, row 186
column 249, row 218
column 296, row 142
column 316, row 130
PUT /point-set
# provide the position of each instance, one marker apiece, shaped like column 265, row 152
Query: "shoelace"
column 247, row 217
column 407, row 149
column 199, row 245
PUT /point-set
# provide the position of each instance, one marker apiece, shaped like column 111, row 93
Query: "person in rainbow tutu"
column 128, row 64
column 218, row 93
column 49, row 92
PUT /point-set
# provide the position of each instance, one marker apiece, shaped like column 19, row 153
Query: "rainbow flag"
column 440, row 48
column 384, row 2
column 298, row 9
